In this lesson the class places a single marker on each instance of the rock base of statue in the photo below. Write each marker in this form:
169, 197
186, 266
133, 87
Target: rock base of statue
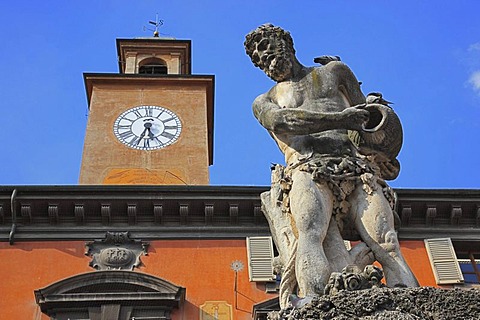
423, 303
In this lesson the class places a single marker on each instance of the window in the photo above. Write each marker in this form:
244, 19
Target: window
112, 295
470, 266
453, 265
153, 66
153, 69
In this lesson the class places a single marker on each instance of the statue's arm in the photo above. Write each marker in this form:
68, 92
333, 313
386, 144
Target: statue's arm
348, 83
300, 121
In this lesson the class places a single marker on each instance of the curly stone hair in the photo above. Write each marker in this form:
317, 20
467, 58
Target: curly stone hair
264, 31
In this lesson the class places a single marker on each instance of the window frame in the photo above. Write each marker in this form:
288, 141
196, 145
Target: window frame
112, 294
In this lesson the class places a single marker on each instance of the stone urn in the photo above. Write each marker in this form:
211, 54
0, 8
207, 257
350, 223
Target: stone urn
382, 138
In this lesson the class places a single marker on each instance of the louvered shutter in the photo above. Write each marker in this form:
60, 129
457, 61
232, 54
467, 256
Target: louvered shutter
260, 257
444, 261
347, 244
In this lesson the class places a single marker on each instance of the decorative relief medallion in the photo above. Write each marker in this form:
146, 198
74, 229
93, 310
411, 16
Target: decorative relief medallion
116, 257
116, 252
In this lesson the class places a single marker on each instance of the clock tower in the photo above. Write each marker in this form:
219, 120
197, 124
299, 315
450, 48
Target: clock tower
151, 123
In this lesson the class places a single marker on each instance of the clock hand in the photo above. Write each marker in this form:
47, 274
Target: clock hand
141, 136
150, 133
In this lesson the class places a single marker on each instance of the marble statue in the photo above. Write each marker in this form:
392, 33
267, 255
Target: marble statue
339, 149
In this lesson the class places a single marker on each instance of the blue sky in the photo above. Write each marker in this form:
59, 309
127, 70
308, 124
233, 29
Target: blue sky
423, 55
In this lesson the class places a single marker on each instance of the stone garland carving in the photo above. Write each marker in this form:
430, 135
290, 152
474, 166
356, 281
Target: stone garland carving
339, 148
116, 252
351, 278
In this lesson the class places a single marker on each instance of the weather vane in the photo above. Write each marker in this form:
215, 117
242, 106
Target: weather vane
157, 23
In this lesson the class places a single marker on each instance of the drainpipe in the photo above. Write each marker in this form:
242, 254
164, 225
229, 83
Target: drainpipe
14, 217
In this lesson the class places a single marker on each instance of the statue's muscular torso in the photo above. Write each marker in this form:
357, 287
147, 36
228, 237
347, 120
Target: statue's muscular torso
328, 89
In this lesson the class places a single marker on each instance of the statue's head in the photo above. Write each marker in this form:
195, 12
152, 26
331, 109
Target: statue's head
271, 49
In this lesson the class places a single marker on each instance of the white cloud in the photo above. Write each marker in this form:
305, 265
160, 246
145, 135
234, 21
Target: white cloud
475, 81
474, 47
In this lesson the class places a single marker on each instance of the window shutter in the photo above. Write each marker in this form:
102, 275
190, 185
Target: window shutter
260, 257
347, 244
444, 261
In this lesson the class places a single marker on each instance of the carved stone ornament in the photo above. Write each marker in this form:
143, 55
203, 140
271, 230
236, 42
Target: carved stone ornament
116, 252
352, 278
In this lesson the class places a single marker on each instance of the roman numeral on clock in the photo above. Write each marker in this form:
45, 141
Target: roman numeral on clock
148, 112
167, 135
126, 135
159, 143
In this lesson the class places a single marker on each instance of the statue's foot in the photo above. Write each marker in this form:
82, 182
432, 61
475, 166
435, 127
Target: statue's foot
299, 302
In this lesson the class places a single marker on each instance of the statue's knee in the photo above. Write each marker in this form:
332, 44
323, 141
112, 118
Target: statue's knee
310, 221
309, 226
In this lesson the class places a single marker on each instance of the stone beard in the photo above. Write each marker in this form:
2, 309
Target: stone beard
279, 67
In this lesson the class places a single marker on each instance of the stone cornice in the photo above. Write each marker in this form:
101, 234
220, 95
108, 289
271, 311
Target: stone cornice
207, 212
134, 79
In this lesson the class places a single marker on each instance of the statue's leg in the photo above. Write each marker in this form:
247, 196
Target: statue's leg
335, 250
311, 206
374, 222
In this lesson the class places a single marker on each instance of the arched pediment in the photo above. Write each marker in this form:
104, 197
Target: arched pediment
123, 288
152, 61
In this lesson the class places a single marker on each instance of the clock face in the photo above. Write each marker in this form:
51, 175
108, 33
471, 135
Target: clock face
147, 127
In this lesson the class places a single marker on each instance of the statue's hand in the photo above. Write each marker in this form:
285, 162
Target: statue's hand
389, 170
355, 117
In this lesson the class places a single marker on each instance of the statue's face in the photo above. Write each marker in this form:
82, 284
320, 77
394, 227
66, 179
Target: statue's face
274, 57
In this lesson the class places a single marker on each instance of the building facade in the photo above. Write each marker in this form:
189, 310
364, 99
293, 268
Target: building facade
192, 240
